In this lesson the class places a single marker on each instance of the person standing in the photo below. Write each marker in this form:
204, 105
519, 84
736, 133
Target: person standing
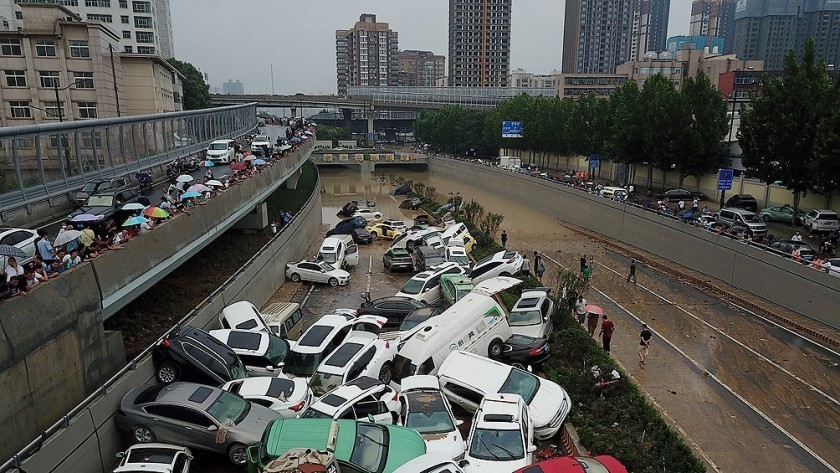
580, 309
644, 344
526, 266
607, 329
591, 265
44, 247
632, 274
582, 263
504, 239
539, 267
591, 323
695, 205
13, 269
796, 237
587, 272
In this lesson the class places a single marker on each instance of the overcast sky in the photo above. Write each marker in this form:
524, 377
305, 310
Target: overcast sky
240, 39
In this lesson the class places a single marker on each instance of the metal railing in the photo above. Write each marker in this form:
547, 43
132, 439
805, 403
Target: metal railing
42, 162
471, 97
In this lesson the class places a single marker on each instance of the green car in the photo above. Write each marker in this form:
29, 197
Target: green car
454, 287
359, 447
781, 214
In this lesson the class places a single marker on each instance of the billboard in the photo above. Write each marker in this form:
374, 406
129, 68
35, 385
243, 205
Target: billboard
511, 129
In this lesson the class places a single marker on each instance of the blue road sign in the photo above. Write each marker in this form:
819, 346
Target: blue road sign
511, 129
724, 179
594, 160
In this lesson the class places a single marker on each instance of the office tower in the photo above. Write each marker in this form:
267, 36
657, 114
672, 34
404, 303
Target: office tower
232, 87
479, 42
650, 27
366, 55
420, 68
144, 26
821, 21
596, 35
714, 18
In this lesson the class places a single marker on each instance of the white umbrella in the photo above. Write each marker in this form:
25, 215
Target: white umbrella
198, 188
185, 178
133, 206
213, 182
66, 237
308, 132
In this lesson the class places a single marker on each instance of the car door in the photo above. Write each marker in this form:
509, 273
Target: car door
165, 422
372, 410
364, 365
546, 308
312, 272
351, 256
196, 426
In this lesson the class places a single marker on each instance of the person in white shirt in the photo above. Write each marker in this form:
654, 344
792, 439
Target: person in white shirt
796, 237
13, 269
580, 309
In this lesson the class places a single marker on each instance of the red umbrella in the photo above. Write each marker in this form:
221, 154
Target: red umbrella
594, 309
238, 167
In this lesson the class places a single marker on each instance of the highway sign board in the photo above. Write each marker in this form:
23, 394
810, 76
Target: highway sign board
511, 129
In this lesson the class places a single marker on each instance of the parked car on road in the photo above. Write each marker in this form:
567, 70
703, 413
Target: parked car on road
783, 214
821, 220
279, 393
679, 194
317, 271
424, 408
393, 307
221, 151
363, 399
155, 458
398, 224
380, 230
97, 186
743, 218
503, 263
259, 142
743, 201
191, 354
340, 251
397, 258
361, 235
108, 204
191, 415
502, 435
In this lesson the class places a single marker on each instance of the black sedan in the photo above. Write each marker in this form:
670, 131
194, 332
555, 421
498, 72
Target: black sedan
786, 247
679, 194
395, 308
743, 201
361, 235
521, 351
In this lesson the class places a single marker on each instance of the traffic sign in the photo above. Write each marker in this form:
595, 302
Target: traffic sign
724, 179
511, 129
594, 160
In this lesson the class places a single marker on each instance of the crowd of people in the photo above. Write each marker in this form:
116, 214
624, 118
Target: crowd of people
93, 239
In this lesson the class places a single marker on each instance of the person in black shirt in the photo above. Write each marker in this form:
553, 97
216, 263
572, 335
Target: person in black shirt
644, 344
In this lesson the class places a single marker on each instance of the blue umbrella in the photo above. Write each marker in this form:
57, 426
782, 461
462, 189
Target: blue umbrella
296, 140
190, 195
259, 162
135, 221
84, 218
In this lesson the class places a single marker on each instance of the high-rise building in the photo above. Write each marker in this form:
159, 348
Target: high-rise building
596, 35
677, 43
479, 42
144, 26
232, 87
366, 55
768, 29
420, 68
650, 27
714, 18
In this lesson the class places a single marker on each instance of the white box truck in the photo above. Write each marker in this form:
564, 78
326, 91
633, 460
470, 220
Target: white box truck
511, 163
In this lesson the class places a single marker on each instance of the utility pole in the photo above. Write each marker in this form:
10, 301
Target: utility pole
272, 79
114, 77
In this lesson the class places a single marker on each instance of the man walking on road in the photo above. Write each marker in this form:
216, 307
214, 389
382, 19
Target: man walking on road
644, 344
607, 329
632, 274
582, 263
580, 309
504, 239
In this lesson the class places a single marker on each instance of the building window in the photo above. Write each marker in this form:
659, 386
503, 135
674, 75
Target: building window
79, 48
98, 3
123, 3
145, 37
128, 49
143, 22
16, 78
141, 7
10, 47
102, 18
83, 80
18, 16
20, 109
49, 79
87, 109
145, 50
126, 34
53, 109
124, 19
45, 47
91, 139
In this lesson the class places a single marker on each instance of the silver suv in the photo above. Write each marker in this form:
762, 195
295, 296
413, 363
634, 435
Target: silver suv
821, 220
744, 218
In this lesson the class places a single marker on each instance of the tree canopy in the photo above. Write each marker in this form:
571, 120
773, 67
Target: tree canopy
196, 91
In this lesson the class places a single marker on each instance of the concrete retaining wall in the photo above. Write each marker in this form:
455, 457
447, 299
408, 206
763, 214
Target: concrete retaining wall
91, 440
789, 284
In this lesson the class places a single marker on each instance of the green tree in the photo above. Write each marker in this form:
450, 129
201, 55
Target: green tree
625, 143
664, 124
707, 126
779, 134
827, 147
196, 91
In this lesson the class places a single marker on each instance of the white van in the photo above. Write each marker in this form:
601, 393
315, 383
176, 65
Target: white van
283, 319
340, 251
221, 151
477, 323
617, 193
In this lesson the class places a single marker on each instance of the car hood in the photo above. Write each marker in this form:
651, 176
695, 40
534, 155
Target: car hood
216, 152
528, 330
339, 273
549, 400
450, 444
251, 428
92, 211
490, 466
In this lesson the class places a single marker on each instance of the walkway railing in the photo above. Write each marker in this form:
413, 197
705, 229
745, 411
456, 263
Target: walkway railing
471, 97
41, 162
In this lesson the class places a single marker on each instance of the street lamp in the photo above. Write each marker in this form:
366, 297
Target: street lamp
57, 101
728, 155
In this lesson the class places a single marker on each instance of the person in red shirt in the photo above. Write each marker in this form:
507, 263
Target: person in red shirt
607, 329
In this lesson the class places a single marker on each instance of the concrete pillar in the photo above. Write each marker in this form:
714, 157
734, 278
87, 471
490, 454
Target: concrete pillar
348, 119
293, 111
256, 219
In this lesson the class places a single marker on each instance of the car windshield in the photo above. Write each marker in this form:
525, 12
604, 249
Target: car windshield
523, 383
218, 146
89, 187
525, 317
753, 218
322, 383
100, 201
427, 413
413, 286
229, 407
261, 138
312, 413
403, 367
301, 364
151, 455
591, 465
460, 259
328, 257
497, 445
369, 448
412, 321
277, 350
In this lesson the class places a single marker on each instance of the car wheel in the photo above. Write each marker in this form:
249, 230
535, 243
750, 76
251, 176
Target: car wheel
373, 235
517, 364
167, 373
333, 282
142, 434
238, 454
295, 277
505, 274
385, 373
495, 349
766, 218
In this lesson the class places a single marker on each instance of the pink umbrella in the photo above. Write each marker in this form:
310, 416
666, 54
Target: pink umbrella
198, 188
238, 167
594, 309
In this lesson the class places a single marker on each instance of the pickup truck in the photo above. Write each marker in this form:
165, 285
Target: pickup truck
397, 258
106, 205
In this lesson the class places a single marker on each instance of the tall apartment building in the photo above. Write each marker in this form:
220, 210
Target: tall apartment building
479, 42
650, 27
768, 29
714, 18
596, 35
144, 26
58, 67
421, 68
232, 87
366, 55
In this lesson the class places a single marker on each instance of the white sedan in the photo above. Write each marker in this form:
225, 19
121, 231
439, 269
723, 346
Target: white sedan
154, 457
317, 271
21, 238
287, 396
424, 408
368, 214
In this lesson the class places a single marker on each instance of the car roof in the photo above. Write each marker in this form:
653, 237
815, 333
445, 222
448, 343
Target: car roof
420, 381
343, 356
243, 341
500, 411
187, 394
334, 322
266, 386
463, 363
347, 393
151, 457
